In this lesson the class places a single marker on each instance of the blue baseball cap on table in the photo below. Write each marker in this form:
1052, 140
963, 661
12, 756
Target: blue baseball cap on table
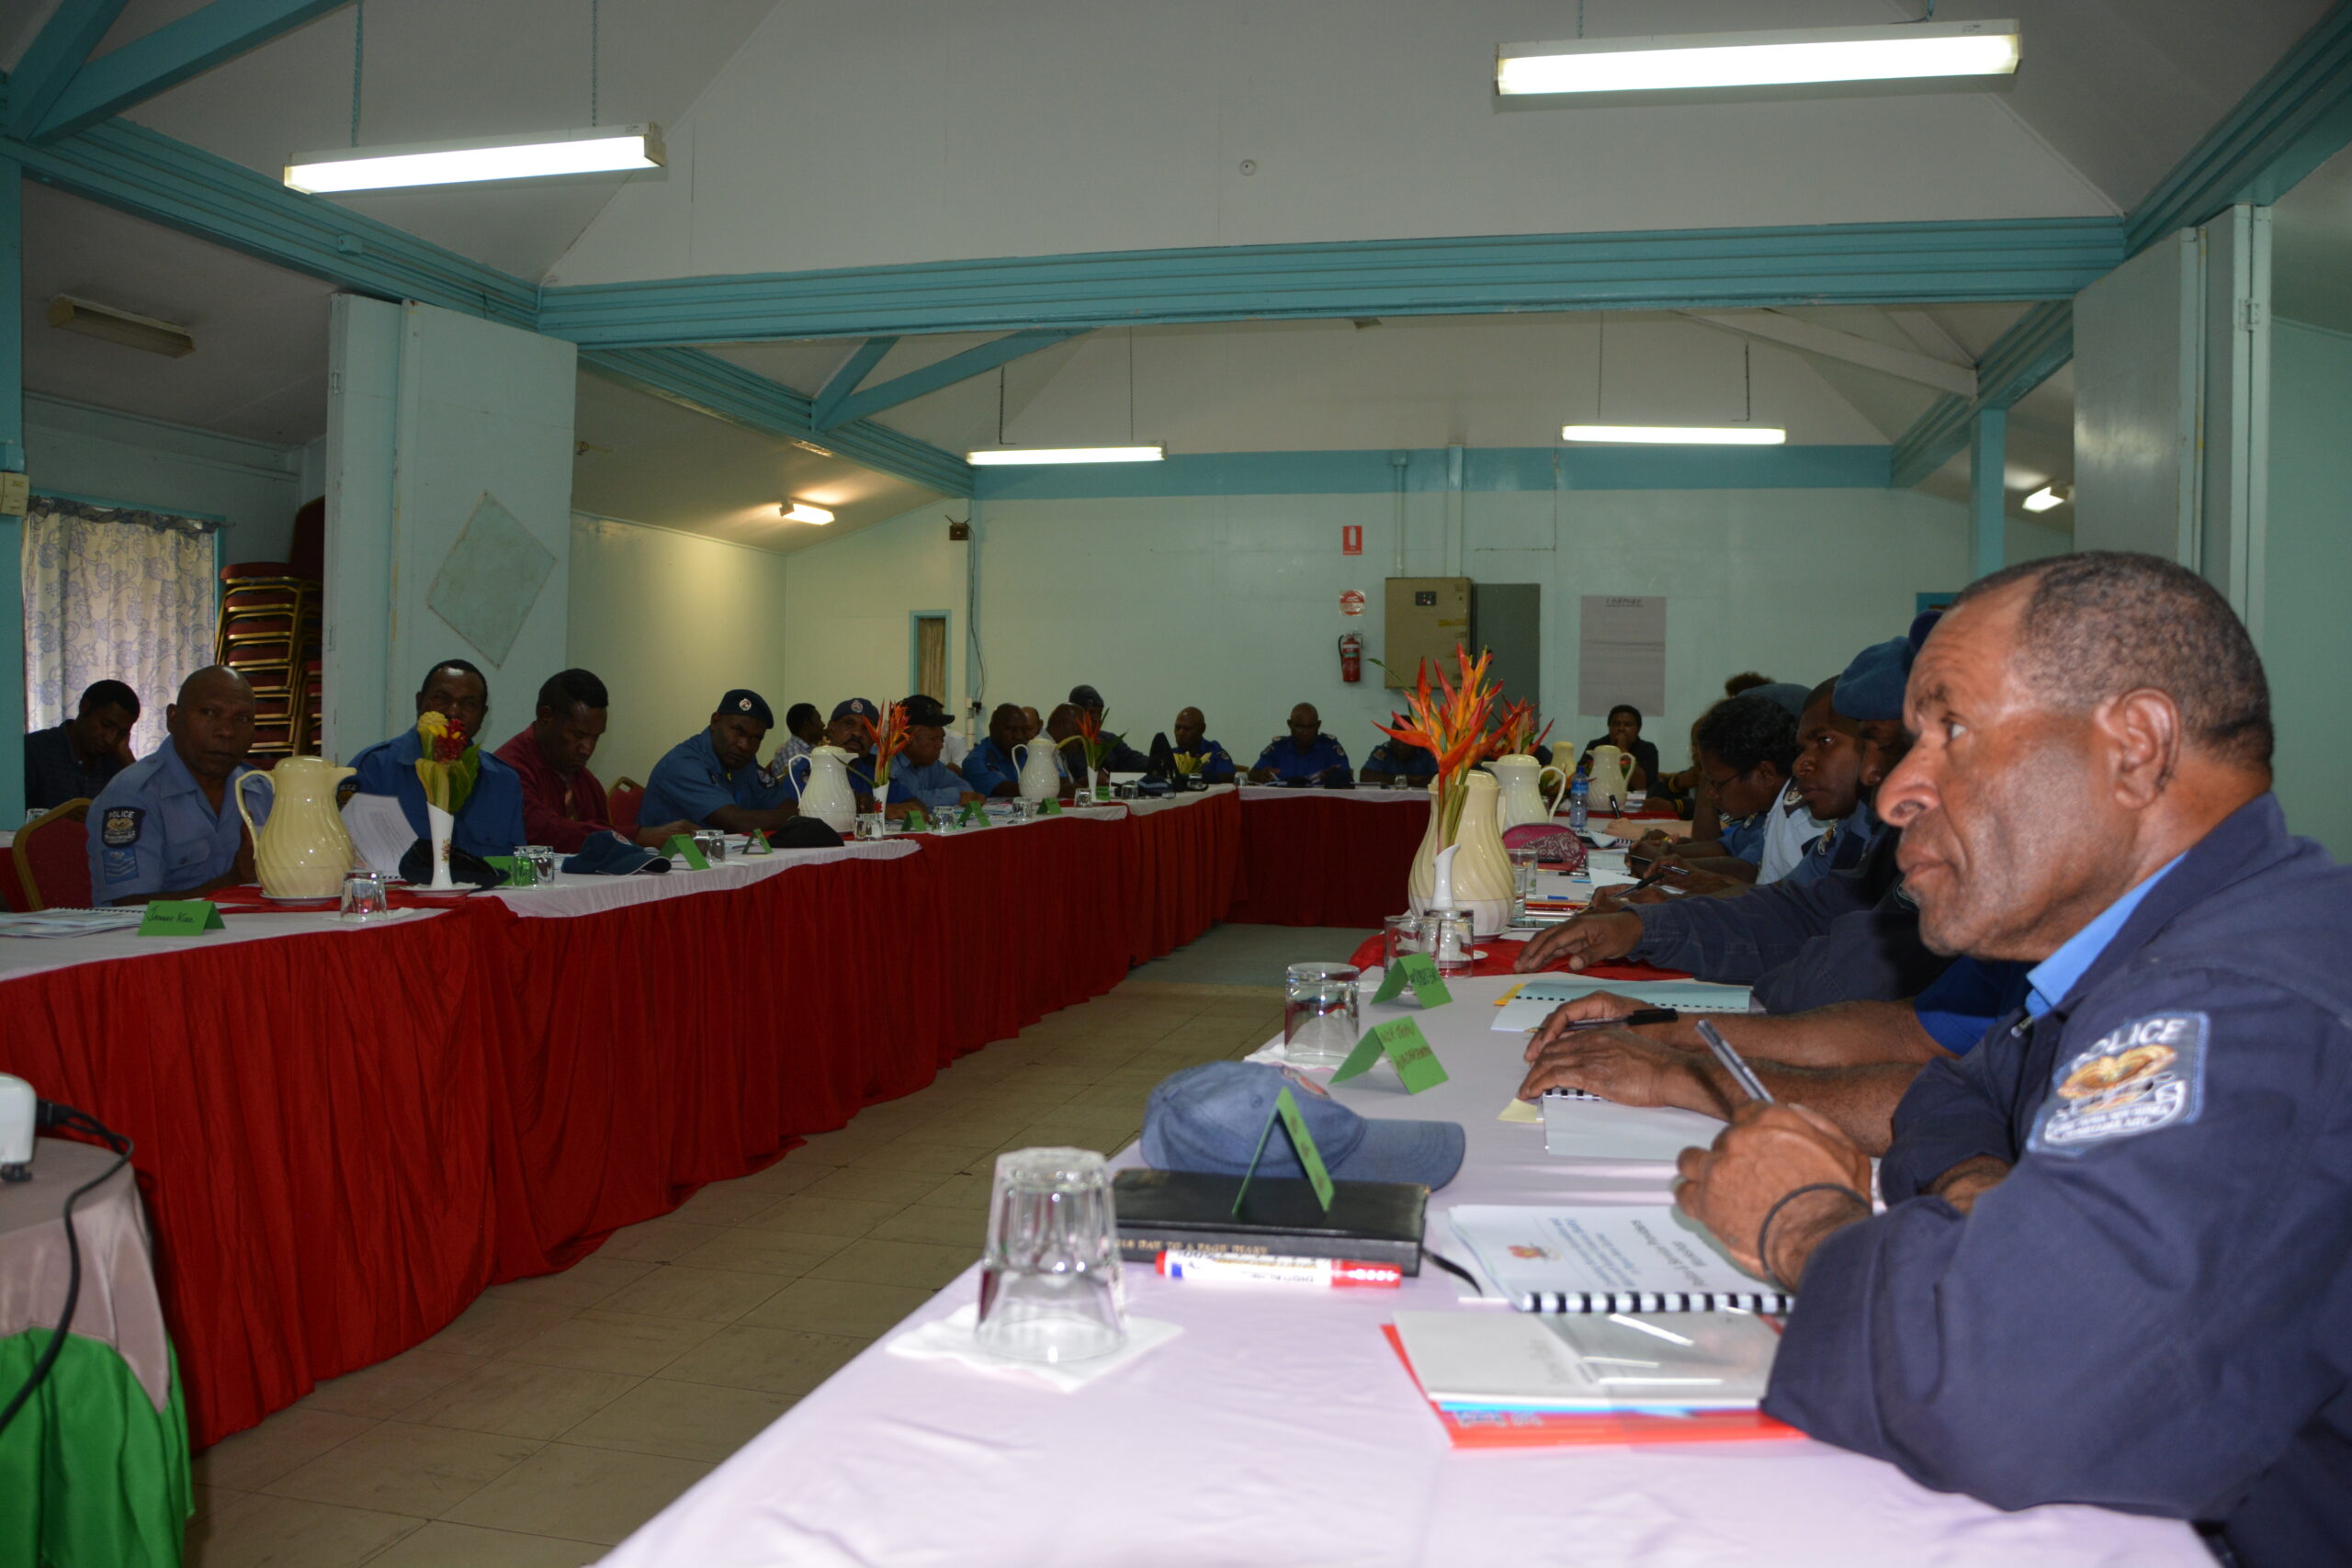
1208, 1118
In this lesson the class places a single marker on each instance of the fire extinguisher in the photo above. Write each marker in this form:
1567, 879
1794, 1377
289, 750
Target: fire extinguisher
1351, 658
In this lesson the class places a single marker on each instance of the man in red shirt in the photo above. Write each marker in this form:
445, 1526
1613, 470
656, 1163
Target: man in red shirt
564, 803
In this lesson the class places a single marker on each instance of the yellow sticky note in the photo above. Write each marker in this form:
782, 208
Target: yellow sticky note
1521, 1110
1504, 1000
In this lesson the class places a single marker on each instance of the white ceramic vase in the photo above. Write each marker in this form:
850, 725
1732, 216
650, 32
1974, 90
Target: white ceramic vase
440, 823
1481, 870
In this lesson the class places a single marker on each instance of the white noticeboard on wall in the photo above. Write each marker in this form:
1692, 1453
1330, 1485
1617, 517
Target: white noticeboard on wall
1621, 653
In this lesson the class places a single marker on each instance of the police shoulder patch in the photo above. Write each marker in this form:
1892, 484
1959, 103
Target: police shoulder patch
122, 826
2138, 1077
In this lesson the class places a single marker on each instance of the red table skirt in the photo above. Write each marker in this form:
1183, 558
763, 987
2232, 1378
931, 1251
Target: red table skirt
1327, 859
344, 1137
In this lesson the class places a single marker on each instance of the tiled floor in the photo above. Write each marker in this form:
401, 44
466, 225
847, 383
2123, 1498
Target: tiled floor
559, 1414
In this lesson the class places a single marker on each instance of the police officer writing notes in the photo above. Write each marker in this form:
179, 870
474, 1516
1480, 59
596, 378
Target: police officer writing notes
167, 827
2116, 1267
1308, 756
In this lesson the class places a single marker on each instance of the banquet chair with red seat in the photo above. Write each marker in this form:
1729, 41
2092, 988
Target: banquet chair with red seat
623, 800
52, 859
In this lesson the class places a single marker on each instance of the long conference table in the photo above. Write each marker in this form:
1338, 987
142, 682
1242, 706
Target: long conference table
345, 1133
1277, 1427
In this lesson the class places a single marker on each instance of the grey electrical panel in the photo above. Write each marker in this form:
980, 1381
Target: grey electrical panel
1428, 619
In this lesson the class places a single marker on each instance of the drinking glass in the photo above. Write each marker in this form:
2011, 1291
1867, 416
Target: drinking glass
543, 861
1051, 1285
365, 896
1448, 932
1319, 1014
1022, 811
712, 843
870, 825
1523, 881
1401, 934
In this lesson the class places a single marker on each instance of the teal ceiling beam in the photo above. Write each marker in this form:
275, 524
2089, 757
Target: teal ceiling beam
2022, 358
843, 381
1875, 264
162, 59
151, 176
2296, 118
72, 30
955, 367
709, 385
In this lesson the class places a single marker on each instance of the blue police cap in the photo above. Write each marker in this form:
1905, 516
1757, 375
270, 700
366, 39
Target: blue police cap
1872, 687
853, 707
748, 703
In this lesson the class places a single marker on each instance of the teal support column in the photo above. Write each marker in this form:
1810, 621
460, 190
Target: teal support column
1988, 510
12, 527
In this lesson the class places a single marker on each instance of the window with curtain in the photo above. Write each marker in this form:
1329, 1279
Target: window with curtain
112, 593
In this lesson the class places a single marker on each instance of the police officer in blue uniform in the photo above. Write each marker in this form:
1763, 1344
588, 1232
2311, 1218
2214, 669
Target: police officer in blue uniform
714, 778
1191, 741
1306, 756
2116, 1266
1845, 936
1118, 756
1395, 761
918, 775
167, 827
491, 820
989, 767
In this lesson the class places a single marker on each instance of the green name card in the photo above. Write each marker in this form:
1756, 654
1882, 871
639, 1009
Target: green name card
972, 813
680, 847
759, 845
918, 821
1049, 808
1403, 1042
180, 916
1418, 970
1286, 1111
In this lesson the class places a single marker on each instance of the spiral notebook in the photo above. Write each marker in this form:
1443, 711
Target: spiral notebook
1608, 1258
1529, 1003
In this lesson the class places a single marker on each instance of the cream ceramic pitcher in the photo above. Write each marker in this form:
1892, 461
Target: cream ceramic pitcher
1522, 777
303, 850
824, 789
1610, 768
1040, 779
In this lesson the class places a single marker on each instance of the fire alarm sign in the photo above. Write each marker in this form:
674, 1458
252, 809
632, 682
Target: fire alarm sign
1351, 603
1352, 538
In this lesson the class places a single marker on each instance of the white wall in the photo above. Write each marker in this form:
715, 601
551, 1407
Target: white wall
75, 449
669, 622
2136, 383
1232, 602
2305, 641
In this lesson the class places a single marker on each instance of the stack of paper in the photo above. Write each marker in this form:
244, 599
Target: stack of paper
1525, 1006
70, 922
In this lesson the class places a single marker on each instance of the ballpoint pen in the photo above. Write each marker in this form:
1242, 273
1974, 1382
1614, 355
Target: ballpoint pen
1741, 1072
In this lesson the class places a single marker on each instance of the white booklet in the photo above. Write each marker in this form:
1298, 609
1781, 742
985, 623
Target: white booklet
1587, 1127
1605, 1259
1534, 1002
1621, 1361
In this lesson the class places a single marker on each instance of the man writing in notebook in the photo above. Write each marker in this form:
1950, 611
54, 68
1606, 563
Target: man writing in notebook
2117, 1258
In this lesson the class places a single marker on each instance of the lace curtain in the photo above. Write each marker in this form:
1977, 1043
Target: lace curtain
114, 593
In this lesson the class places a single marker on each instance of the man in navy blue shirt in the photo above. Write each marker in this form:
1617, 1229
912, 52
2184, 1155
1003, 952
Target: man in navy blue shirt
1191, 741
714, 778
1306, 756
74, 760
918, 775
990, 767
2116, 1263
1394, 762
167, 826
491, 820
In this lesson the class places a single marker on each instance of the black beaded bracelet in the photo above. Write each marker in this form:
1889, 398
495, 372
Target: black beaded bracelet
1764, 1231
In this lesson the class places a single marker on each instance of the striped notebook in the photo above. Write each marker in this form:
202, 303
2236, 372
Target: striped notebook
1608, 1258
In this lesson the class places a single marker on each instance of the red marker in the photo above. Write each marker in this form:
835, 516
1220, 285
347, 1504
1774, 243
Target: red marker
1229, 1269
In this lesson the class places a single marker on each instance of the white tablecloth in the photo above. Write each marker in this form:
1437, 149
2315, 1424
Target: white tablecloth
593, 895
1280, 1429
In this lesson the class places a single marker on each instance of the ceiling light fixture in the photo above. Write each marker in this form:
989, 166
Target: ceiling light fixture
1019, 456
1603, 69
119, 326
1679, 434
604, 149
801, 512
2049, 497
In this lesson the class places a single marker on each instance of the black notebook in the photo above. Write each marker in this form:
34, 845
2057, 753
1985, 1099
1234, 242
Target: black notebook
1373, 1222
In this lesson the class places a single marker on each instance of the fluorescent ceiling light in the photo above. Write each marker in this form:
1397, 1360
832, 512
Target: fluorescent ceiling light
1011, 456
2048, 497
1791, 57
611, 148
119, 326
801, 512
1679, 434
